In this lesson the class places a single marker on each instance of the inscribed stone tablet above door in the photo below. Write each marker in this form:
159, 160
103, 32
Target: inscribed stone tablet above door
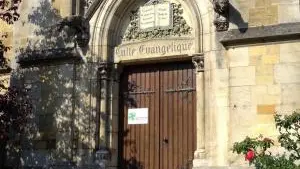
156, 16
157, 19
158, 29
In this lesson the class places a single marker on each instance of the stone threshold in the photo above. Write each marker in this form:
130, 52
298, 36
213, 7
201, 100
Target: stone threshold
262, 34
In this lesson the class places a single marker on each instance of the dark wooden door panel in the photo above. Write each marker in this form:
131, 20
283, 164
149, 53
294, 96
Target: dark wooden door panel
177, 83
140, 89
168, 140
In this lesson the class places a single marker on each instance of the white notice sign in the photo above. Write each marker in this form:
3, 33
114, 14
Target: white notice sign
138, 116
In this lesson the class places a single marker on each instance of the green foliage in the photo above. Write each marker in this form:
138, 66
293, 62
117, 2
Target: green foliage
9, 14
289, 139
274, 162
252, 143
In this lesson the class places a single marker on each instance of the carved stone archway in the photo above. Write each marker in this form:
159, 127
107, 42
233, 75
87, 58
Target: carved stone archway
107, 28
108, 21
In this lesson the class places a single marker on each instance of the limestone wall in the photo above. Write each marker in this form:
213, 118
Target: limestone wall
263, 12
62, 126
264, 79
244, 85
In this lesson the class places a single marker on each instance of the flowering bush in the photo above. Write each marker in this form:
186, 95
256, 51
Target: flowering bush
256, 150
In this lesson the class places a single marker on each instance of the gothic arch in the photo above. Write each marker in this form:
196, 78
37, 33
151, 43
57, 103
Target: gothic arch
110, 18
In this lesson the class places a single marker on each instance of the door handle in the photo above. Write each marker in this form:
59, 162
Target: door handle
165, 141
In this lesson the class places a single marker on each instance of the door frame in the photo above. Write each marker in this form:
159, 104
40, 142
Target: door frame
121, 103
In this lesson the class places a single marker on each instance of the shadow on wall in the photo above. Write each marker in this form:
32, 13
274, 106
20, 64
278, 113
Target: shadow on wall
62, 126
236, 18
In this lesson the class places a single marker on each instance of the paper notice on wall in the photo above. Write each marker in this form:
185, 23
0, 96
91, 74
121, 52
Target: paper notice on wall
138, 116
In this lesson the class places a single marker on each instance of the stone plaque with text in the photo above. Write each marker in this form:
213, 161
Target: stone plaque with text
156, 16
155, 48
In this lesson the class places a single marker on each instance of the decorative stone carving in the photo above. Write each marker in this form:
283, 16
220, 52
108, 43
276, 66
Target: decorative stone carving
104, 70
153, 2
87, 4
180, 26
221, 8
198, 62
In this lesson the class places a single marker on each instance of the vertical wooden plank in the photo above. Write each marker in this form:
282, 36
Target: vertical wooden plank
157, 120
151, 121
190, 110
185, 113
176, 119
142, 126
167, 85
168, 111
161, 121
180, 115
146, 126
127, 127
138, 127
123, 120
134, 143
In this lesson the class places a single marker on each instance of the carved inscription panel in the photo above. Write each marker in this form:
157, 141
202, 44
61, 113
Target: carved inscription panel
147, 17
155, 48
154, 16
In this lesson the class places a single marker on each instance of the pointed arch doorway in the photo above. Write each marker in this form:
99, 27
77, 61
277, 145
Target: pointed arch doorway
168, 139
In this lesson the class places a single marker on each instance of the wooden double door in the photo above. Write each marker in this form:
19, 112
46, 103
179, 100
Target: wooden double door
168, 140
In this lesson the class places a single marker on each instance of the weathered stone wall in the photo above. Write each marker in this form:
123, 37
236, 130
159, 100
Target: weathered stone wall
263, 78
244, 85
62, 127
251, 13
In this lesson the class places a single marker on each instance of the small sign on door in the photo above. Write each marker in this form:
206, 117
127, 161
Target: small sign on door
138, 116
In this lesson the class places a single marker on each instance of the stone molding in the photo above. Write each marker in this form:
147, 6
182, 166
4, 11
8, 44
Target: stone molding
198, 62
262, 34
221, 8
50, 56
91, 7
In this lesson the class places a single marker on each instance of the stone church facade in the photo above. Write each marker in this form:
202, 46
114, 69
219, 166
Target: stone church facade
207, 72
